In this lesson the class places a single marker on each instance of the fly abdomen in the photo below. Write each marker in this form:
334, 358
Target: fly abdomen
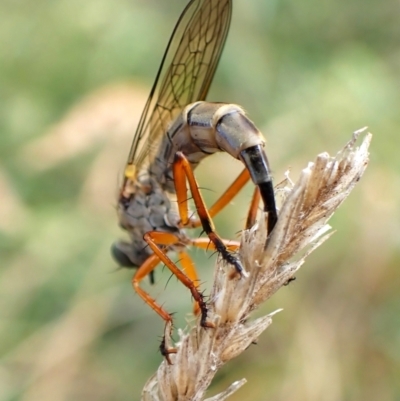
237, 135
204, 128
227, 127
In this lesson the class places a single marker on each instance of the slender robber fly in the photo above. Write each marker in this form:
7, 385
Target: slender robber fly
176, 131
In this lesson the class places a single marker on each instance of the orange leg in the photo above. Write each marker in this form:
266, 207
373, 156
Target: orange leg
252, 213
182, 171
154, 239
190, 270
226, 197
204, 243
145, 269
189, 277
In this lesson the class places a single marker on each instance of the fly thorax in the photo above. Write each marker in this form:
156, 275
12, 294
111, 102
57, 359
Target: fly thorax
149, 209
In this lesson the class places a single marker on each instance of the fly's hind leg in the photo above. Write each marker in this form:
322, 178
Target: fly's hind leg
182, 171
253, 209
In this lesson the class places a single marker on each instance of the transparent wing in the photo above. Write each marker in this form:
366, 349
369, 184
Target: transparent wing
188, 67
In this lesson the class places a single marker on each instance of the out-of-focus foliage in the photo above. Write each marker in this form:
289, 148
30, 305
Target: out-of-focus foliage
74, 77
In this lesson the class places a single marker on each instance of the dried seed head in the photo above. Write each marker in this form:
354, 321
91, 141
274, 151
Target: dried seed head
270, 263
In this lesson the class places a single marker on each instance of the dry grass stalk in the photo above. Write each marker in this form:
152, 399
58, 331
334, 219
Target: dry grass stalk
301, 228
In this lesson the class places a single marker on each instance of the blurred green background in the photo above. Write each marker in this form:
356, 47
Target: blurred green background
74, 76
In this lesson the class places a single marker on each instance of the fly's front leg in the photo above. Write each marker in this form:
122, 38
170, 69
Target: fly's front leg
154, 239
182, 171
144, 270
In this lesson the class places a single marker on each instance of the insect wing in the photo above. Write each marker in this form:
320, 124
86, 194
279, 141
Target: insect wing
194, 49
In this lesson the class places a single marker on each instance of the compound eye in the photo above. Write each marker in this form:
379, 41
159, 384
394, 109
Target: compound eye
120, 255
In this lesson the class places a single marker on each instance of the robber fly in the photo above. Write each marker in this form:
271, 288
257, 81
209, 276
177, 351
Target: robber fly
176, 131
